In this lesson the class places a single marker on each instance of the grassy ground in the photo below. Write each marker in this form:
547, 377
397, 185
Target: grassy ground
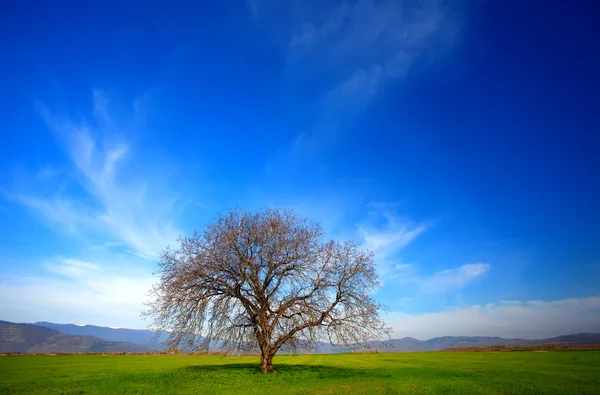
415, 373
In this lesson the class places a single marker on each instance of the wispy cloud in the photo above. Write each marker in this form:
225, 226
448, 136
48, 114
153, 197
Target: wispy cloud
386, 235
454, 279
391, 239
357, 49
105, 200
365, 44
72, 268
532, 319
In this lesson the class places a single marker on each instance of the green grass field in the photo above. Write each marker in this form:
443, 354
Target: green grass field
415, 373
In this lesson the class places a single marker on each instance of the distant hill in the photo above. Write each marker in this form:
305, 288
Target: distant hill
579, 339
29, 338
147, 338
445, 342
136, 336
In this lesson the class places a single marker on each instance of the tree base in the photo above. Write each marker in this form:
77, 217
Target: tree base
266, 365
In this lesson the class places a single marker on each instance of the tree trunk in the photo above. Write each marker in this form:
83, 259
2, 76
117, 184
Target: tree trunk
266, 363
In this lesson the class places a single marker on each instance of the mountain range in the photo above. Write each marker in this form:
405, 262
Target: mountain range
137, 336
29, 338
52, 337
446, 342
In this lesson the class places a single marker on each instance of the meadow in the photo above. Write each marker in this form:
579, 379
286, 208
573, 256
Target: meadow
415, 373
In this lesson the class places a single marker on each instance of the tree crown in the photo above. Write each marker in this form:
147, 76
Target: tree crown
257, 281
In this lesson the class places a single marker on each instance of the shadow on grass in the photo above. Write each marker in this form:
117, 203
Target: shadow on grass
324, 372
297, 370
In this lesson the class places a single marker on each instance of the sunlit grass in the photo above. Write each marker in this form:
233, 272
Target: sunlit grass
419, 373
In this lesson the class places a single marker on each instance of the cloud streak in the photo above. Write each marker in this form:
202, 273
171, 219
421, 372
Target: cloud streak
73, 268
454, 279
357, 49
390, 240
386, 236
341, 57
366, 43
106, 201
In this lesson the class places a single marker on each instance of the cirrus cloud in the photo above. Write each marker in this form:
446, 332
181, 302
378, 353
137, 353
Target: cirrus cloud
104, 202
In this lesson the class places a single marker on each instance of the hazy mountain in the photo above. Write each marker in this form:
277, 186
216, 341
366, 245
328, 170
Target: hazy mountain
136, 336
579, 339
405, 344
29, 338
440, 343
146, 338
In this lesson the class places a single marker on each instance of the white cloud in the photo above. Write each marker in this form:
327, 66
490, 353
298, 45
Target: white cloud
532, 319
108, 202
83, 292
454, 279
388, 237
402, 266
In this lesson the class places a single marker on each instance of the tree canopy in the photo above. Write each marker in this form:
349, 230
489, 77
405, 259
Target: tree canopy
259, 281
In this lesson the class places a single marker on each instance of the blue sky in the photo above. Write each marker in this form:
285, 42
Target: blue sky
457, 140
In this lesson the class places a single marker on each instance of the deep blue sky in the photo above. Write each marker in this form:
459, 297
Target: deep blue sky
458, 140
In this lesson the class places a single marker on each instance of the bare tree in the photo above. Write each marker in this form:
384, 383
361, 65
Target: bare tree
254, 282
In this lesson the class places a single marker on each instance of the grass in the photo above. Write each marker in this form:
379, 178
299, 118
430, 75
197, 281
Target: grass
415, 373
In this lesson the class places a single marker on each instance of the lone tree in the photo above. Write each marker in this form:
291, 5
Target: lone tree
254, 282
